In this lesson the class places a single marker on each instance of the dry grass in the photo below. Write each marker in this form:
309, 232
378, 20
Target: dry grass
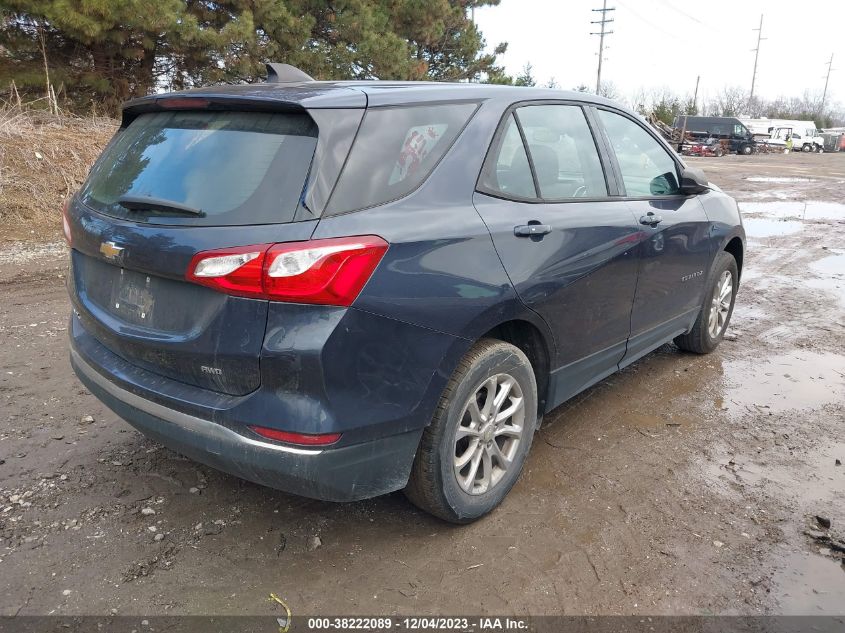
43, 159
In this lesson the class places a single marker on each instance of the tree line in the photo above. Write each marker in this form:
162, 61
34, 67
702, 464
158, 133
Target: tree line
98, 53
95, 54
666, 105
734, 101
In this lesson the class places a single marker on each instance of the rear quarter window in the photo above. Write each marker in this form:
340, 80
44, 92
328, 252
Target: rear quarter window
234, 167
395, 151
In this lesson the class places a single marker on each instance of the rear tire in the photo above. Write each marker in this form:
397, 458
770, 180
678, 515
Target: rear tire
471, 454
715, 315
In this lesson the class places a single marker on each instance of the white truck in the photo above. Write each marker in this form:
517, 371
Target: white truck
805, 136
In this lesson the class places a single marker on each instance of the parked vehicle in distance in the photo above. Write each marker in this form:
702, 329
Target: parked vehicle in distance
343, 289
834, 141
738, 137
805, 136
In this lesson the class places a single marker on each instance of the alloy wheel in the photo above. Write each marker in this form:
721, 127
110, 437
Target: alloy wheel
721, 304
488, 434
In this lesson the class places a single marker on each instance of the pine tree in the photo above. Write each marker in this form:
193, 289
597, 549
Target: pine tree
102, 52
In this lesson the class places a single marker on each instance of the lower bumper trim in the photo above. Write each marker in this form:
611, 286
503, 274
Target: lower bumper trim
347, 473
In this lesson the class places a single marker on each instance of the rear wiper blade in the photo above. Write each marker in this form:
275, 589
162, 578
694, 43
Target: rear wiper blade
148, 203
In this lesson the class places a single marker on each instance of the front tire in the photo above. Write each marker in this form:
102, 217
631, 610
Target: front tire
472, 453
709, 328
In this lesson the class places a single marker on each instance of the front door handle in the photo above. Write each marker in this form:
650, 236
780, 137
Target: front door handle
529, 230
650, 219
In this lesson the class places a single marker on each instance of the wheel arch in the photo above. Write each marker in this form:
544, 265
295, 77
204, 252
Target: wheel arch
736, 248
514, 324
528, 338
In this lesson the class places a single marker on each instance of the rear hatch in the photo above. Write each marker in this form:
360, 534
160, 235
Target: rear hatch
171, 184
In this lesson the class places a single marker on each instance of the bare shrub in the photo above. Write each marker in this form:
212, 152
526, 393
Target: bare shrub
44, 158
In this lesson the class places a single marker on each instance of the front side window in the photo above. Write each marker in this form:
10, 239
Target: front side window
560, 149
563, 153
395, 151
647, 168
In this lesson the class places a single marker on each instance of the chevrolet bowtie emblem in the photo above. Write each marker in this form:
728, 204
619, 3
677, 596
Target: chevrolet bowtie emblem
110, 250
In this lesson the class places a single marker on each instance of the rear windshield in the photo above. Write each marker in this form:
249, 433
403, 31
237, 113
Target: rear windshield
395, 150
233, 167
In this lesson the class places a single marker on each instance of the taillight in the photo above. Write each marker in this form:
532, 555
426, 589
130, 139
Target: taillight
66, 222
236, 271
303, 439
329, 272
326, 272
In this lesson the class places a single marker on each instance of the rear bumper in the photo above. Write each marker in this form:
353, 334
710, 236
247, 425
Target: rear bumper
348, 473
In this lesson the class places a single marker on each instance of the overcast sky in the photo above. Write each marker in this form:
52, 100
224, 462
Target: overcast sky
669, 42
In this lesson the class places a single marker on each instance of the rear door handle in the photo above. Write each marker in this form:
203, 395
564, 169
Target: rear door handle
651, 220
527, 230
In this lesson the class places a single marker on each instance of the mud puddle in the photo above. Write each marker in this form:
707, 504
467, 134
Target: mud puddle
797, 380
803, 574
809, 584
809, 210
778, 179
765, 227
831, 265
830, 275
822, 480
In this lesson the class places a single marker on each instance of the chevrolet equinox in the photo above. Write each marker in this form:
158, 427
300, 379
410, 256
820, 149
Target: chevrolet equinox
346, 288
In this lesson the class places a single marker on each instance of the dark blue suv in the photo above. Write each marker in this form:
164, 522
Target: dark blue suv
342, 289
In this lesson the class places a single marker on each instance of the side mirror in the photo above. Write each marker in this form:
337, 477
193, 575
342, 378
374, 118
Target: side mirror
693, 181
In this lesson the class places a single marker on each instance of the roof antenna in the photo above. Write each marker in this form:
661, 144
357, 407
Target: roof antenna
285, 73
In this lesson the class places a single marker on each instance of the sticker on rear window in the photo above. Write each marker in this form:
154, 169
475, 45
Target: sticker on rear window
419, 141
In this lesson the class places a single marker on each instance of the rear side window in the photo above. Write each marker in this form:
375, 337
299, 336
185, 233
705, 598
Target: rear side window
233, 167
395, 151
647, 168
511, 173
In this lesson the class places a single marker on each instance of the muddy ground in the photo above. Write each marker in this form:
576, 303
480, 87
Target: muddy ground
682, 485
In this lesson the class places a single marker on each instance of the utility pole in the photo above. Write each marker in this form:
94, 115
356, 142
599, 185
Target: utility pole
695, 96
603, 22
826, 80
760, 38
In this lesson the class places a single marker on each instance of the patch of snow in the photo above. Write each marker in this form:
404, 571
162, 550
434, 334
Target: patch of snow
780, 194
24, 252
778, 179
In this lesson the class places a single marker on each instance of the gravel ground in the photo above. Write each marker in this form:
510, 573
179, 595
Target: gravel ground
681, 485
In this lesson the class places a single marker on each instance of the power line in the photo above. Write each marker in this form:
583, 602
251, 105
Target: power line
685, 14
760, 38
653, 25
604, 21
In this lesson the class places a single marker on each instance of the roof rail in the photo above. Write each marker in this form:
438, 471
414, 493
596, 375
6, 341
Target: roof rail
285, 73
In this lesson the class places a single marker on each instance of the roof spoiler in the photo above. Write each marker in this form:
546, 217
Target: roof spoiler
285, 73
